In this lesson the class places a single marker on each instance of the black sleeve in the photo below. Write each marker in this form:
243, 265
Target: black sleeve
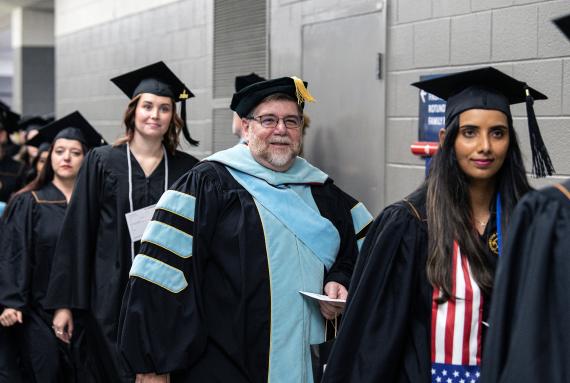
529, 324
371, 341
70, 278
161, 326
16, 250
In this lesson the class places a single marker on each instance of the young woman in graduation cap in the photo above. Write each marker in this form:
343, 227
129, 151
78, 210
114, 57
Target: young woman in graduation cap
32, 224
96, 248
419, 299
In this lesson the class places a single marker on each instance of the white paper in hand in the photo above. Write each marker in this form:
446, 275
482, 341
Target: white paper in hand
321, 297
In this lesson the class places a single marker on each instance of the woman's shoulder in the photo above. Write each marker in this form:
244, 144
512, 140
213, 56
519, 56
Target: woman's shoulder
183, 157
27, 196
412, 206
103, 153
20, 202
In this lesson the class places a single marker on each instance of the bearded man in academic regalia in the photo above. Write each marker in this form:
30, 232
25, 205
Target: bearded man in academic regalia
213, 294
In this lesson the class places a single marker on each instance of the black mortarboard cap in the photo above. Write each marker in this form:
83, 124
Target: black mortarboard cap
563, 23
489, 88
31, 123
72, 127
247, 80
244, 101
159, 80
8, 118
43, 147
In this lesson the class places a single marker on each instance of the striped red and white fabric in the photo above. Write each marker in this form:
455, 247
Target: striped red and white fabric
456, 327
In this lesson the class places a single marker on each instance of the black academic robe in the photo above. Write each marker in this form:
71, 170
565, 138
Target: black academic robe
9, 371
11, 177
218, 328
93, 254
30, 234
32, 227
529, 334
385, 334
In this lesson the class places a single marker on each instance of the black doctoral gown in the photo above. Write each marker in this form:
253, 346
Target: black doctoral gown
529, 334
93, 254
386, 330
31, 230
11, 177
218, 328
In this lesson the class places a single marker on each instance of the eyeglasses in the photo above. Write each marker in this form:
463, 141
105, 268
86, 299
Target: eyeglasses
270, 121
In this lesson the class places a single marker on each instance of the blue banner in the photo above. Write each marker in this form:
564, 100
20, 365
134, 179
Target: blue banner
431, 115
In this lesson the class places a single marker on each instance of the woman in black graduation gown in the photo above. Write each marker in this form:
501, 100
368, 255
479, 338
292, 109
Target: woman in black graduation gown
420, 294
94, 254
32, 225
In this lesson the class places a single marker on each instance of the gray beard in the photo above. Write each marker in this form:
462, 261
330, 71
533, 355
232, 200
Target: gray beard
261, 149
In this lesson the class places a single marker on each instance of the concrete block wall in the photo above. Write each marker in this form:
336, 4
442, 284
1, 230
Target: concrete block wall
32, 35
89, 54
443, 36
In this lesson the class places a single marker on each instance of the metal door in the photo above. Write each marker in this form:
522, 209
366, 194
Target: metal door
342, 59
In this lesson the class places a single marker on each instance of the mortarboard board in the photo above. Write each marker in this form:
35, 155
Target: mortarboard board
49, 117
159, 80
72, 127
31, 123
244, 101
43, 147
563, 23
8, 118
489, 88
247, 80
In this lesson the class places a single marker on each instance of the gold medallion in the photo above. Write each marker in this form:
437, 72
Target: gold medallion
494, 243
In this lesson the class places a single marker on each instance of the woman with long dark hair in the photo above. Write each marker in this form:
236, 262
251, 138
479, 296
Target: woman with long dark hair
32, 224
418, 303
115, 191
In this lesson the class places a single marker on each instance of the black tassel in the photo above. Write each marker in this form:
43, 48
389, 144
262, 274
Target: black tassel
541, 163
185, 130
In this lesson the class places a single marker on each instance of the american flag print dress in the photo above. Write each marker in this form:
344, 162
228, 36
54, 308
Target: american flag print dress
456, 327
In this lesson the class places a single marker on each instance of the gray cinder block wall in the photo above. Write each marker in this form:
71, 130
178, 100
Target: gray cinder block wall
98, 40
89, 54
442, 36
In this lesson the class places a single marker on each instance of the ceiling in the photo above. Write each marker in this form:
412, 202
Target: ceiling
6, 6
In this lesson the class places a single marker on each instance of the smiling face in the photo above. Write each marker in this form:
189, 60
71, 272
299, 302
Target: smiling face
66, 158
153, 115
482, 143
275, 148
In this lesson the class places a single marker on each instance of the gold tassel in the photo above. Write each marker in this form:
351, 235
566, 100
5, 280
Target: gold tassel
303, 94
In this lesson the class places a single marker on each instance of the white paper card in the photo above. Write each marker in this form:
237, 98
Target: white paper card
137, 221
321, 297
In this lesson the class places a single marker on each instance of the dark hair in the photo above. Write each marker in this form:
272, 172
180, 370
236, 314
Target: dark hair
449, 210
46, 175
171, 139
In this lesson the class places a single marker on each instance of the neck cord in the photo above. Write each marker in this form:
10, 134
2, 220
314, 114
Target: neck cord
131, 205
